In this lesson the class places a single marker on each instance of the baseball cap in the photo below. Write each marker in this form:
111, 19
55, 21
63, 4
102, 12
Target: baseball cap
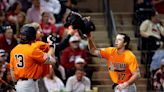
79, 60
2, 52
74, 38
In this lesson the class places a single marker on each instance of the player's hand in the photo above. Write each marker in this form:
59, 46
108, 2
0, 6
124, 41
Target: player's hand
122, 86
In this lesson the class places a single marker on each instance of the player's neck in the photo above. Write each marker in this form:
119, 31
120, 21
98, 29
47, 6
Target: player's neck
121, 50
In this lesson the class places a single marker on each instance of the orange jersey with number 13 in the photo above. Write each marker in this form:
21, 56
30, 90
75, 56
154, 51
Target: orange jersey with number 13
26, 60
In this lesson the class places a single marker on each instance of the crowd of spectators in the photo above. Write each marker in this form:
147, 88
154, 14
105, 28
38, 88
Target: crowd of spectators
48, 18
150, 31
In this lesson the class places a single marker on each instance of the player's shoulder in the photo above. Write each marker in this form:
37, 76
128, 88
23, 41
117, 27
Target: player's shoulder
16, 48
41, 45
109, 49
130, 54
38, 43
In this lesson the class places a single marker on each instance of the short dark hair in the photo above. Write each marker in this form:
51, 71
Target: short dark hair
126, 40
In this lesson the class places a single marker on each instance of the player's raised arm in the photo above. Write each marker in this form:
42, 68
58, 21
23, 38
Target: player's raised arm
51, 53
91, 45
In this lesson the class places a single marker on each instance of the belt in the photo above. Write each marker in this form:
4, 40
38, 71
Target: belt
27, 79
114, 85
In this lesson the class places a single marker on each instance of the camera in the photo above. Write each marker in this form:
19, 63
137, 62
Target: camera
83, 24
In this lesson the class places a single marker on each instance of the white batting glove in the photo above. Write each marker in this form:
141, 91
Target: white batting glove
50, 41
122, 86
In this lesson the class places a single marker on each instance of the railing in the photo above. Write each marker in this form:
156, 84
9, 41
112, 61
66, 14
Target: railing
111, 27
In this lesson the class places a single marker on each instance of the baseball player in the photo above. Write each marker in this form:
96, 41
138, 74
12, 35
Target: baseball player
41, 45
122, 63
26, 61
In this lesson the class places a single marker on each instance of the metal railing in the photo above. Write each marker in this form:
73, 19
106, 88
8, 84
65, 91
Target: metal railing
111, 27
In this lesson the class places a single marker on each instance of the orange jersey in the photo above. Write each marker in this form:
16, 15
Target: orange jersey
26, 60
121, 66
45, 48
41, 45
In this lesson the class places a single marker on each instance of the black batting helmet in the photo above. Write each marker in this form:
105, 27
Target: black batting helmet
27, 34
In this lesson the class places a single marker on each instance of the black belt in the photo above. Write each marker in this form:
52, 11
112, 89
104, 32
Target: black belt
114, 85
27, 79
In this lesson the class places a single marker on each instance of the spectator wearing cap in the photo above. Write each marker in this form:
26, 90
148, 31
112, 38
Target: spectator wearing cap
69, 55
7, 40
78, 82
80, 64
159, 78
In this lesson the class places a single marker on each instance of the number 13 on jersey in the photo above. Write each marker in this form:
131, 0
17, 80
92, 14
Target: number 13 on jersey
20, 60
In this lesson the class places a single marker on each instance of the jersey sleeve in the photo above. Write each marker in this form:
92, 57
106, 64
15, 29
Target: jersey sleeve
133, 66
41, 45
39, 56
44, 47
105, 52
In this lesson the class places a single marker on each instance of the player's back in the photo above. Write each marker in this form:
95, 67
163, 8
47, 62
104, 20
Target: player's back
26, 61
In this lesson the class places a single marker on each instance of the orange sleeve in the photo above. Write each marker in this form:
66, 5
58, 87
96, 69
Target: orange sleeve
38, 55
41, 45
105, 52
44, 47
133, 65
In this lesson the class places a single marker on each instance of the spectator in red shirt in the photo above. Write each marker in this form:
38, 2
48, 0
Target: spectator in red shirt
69, 55
47, 26
8, 42
159, 6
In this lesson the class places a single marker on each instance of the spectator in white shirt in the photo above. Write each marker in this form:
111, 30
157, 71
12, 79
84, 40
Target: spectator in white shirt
52, 82
78, 82
34, 13
52, 6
